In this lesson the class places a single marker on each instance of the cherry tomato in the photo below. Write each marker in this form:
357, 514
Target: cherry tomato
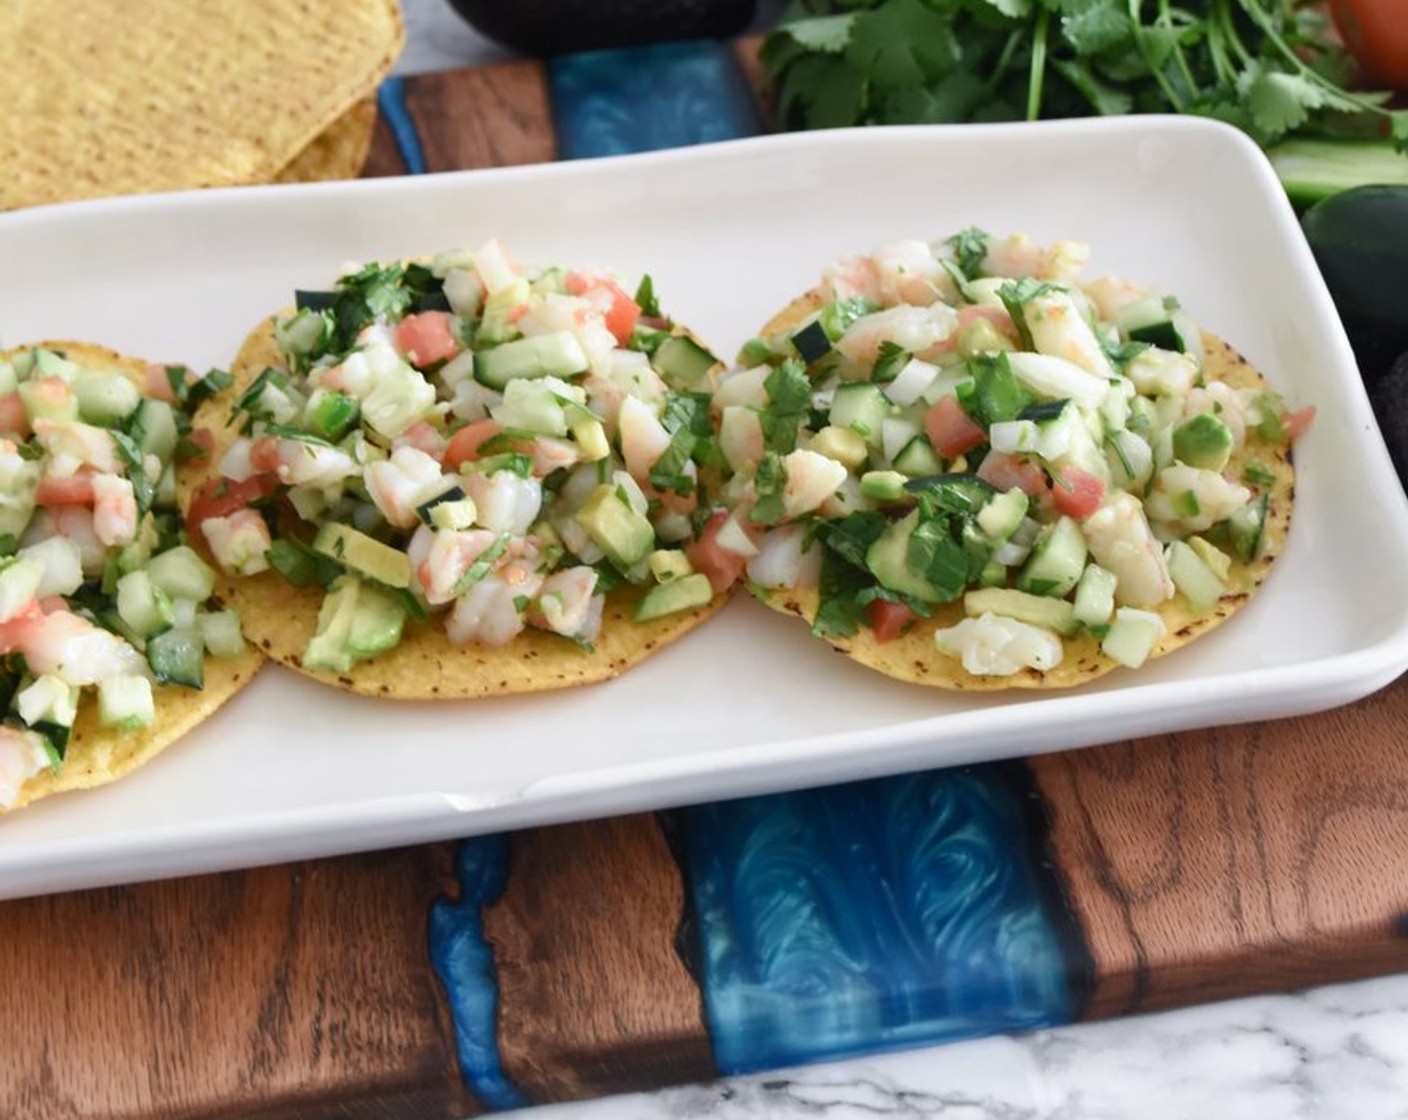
1376, 33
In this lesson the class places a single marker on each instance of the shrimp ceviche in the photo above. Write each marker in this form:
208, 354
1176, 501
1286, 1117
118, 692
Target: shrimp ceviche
99, 592
469, 445
970, 467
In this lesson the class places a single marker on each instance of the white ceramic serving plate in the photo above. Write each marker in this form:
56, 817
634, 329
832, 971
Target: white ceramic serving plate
751, 702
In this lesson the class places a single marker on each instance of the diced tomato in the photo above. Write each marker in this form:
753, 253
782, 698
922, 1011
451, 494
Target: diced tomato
464, 445
426, 338
888, 620
1298, 421
264, 454
158, 384
220, 497
721, 566
1077, 493
619, 310
575, 283
75, 490
14, 421
1006, 472
951, 430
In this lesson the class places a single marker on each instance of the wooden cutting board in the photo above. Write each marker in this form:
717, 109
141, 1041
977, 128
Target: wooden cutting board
646, 950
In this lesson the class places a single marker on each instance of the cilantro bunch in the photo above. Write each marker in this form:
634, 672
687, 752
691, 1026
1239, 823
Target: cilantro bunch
1269, 67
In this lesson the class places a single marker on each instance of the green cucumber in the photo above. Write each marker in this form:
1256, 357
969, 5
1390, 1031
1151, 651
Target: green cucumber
558, 354
684, 364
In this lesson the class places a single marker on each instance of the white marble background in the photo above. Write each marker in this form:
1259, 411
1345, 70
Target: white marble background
1334, 1053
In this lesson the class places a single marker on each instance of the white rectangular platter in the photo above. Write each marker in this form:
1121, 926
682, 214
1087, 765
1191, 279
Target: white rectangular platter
750, 703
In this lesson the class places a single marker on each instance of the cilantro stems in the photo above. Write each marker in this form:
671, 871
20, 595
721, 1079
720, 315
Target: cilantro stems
1038, 70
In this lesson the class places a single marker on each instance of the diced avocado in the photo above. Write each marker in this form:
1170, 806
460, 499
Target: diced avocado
1056, 562
558, 354
590, 435
669, 564
104, 398
1039, 610
888, 560
681, 594
1002, 514
626, 536
1194, 579
918, 459
356, 621
862, 408
1132, 636
363, 554
981, 337
1203, 441
1245, 526
178, 657
377, 622
1095, 596
883, 486
684, 364
1213, 557
125, 702
842, 445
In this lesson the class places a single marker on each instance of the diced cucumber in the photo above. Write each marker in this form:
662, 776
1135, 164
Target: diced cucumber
918, 459
182, 574
912, 382
143, 607
531, 404
558, 354
156, 422
883, 486
1245, 527
331, 415
681, 594
105, 398
1194, 579
811, 341
862, 408
1002, 514
50, 363
1056, 562
125, 702
616, 527
684, 364
1151, 320
221, 633
364, 554
48, 699
1095, 596
20, 579
888, 560
1039, 610
1132, 636
178, 657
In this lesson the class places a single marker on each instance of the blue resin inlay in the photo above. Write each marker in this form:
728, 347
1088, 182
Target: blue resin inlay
886, 913
465, 964
391, 100
669, 95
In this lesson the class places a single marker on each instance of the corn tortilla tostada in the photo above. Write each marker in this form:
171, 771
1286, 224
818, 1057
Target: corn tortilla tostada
463, 478
966, 467
106, 616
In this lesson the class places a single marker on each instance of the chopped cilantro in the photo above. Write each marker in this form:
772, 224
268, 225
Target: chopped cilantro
645, 297
769, 481
889, 360
970, 247
789, 397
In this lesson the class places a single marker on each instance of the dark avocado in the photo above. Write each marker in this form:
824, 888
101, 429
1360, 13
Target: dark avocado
547, 27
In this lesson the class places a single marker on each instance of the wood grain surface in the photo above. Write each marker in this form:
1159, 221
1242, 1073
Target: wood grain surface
593, 997
1237, 860
301, 990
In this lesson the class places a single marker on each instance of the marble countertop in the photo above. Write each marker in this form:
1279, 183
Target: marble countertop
1339, 1051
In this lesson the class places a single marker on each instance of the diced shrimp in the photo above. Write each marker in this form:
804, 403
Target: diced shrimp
70, 647
1120, 540
744, 388
1110, 295
423, 436
1223, 402
1059, 329
62, 562
114, 510
1018, 255
785, 560
643, 438
488, 613
908, 272
447, 558
552, 454
811, 479
851, 278
1189, 500
505, 502
564, 602
22, 756
398, 484
238, 542
312, 464
72, 445
991, 645
75, 524
916, 329
627, 374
